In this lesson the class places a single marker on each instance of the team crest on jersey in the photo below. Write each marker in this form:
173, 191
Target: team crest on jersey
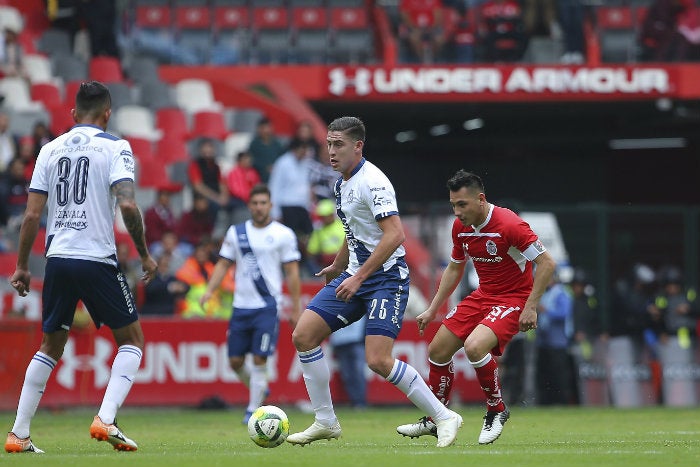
77, 139
491, 248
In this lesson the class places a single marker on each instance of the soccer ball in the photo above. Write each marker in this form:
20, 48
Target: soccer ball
268, 427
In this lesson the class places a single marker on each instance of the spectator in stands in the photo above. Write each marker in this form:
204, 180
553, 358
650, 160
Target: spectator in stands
11, 53
196, 224
25, 151
659, 37
63, 14
571, 16
554, 333
239, 181
688, 33
540, 18
349, 351
326, 239
100, 18
290, 187
8, 142
196, 272
160, 218
177, 251
632, 309
305, 134
162, 294
206, 178
678, 306
265, 148
41, 134
501, 30
322, 177
14, 192
421, 26
586, 314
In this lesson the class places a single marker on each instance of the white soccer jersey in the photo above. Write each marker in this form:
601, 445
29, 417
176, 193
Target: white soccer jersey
76, 170
365, 198
270, 246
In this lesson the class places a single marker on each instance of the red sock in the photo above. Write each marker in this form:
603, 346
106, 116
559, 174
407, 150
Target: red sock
487, 374
440, 380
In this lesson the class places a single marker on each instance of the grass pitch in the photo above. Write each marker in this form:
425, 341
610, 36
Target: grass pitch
536, 437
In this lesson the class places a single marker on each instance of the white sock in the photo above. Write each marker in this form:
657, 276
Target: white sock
407, 379
243, 375
124, 369
317, 378
35, 378
258, 386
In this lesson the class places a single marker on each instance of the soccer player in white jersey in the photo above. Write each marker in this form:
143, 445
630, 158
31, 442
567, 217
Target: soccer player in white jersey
503, 248
84, 175
368, 277
261, 248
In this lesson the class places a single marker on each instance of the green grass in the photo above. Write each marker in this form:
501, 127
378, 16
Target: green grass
534, 437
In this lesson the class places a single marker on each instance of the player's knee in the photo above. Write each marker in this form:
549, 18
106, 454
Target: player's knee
303, 340
380, 364
439, 353
236, 363
475, 350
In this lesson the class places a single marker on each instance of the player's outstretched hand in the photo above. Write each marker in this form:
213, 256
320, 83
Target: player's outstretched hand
20, 281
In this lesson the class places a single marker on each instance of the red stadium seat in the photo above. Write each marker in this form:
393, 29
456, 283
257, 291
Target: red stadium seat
231, 17
270, 18
349, 18
209, 124
153, 17
173, 122
614, 17
47, 93
105, 69
169, 150
309, 18
70, 89
192, 17
61, 118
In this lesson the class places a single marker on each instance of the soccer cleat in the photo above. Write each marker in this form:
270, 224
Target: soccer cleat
493, 426
447, 429
314, 433
112, 434
425, 426
15, 444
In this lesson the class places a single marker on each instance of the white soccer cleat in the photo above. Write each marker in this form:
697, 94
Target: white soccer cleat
447, 429
424, 427
493, 426
314, 433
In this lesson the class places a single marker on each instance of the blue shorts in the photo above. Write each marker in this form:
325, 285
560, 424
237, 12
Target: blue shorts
253, 331
382, 297
101, 287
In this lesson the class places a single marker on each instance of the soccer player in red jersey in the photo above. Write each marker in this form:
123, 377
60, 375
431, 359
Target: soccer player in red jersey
503, 248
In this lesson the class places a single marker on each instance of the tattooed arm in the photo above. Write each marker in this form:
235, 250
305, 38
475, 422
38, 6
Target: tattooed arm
124, 192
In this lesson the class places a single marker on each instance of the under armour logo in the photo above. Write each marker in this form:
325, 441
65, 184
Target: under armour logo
72, 363
340, 81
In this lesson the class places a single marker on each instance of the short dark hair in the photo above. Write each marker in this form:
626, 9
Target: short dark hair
92, 99
463, 179
353, 126
260, 189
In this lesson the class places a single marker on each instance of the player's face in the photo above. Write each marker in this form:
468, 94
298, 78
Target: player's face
344, 153
468, 206
260, 207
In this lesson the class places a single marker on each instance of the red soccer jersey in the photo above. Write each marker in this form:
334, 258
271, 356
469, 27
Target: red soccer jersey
498, 249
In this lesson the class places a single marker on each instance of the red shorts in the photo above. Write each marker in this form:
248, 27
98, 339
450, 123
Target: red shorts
500, 313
